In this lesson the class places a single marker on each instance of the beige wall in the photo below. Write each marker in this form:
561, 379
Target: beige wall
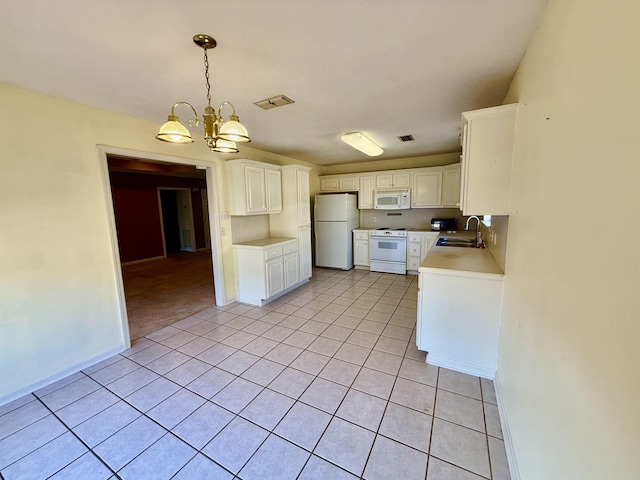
569, 368
418, 218
58, 283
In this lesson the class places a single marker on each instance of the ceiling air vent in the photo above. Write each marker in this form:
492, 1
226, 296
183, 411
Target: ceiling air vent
406, 138
273, 102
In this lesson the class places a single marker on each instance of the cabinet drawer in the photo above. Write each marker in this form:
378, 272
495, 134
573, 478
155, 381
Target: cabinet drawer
414, 237
290, 248
272, 252
413, 263
413, 250
361, 235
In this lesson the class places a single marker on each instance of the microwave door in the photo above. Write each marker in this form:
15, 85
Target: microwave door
387, 202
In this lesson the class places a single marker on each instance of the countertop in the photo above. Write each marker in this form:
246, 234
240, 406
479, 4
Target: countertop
264, 242
461, 260
365, 229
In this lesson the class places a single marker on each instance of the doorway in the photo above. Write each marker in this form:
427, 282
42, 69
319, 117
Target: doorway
170, 225
178, 222
158, 290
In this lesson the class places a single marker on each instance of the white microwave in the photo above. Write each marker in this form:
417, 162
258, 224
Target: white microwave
392, 199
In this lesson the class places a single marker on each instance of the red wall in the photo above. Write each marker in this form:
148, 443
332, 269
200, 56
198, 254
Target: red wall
137, 213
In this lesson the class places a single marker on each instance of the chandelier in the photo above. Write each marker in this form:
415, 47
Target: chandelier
221, 136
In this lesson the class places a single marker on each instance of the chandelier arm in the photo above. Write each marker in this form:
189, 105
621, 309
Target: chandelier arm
222, 105
196, 120
195, 114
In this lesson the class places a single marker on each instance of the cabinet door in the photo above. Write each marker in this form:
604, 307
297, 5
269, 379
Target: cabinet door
451, 187
348, 184
393, 180
361, 252
402, 180
488, 138
304, 204
273, 188
365, 193
275, 276
429, 242
254, 181
329, 184
290, 266
427, 189
384, 180
304, 251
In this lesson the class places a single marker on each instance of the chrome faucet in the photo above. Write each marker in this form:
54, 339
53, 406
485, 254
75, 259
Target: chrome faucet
478, 234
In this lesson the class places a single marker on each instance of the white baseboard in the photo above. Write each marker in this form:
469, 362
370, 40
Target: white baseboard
58, 376
506, 431
458, 366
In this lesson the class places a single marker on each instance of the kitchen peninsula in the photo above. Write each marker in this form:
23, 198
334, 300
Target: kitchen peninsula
459, 305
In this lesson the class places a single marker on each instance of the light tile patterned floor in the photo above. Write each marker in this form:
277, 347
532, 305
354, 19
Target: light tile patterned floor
324, 383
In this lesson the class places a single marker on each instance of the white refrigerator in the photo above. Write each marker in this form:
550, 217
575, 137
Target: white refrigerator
335, 218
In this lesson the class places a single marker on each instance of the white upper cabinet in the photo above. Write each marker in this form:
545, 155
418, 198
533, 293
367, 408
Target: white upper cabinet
431, 187
273, 192
427, 188
451, 186
255, 187
365, 192
303, 197
339, 183
393, 180
487, 157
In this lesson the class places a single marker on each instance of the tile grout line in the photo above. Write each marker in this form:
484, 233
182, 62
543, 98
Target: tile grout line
89, 449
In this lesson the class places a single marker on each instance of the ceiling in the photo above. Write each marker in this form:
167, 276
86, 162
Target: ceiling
384, 68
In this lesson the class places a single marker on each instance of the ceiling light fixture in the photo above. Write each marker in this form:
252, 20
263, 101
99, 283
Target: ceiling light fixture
358, 141
221, 136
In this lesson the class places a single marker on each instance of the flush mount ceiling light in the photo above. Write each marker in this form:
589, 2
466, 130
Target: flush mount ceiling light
220, 135
358, 141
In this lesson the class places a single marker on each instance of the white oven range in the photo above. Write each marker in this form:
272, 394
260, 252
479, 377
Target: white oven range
388, 250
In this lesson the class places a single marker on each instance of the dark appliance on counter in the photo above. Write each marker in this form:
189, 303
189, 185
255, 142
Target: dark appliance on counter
443, 224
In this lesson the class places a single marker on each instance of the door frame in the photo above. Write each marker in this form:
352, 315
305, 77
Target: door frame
189, 220
214, 226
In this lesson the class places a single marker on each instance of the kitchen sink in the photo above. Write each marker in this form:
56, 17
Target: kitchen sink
456, 242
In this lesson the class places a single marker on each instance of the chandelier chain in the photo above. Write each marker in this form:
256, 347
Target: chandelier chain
206, 76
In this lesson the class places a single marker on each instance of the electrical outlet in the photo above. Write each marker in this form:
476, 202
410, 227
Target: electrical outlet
374, 219
223, 232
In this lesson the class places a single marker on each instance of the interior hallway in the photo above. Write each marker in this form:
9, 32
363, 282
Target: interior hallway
161, 292
324, 383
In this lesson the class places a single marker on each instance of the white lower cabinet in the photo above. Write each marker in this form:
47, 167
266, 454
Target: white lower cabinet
304, 251
418, 245
290, 267
265, 269
275, 277
361, 248
459, 320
